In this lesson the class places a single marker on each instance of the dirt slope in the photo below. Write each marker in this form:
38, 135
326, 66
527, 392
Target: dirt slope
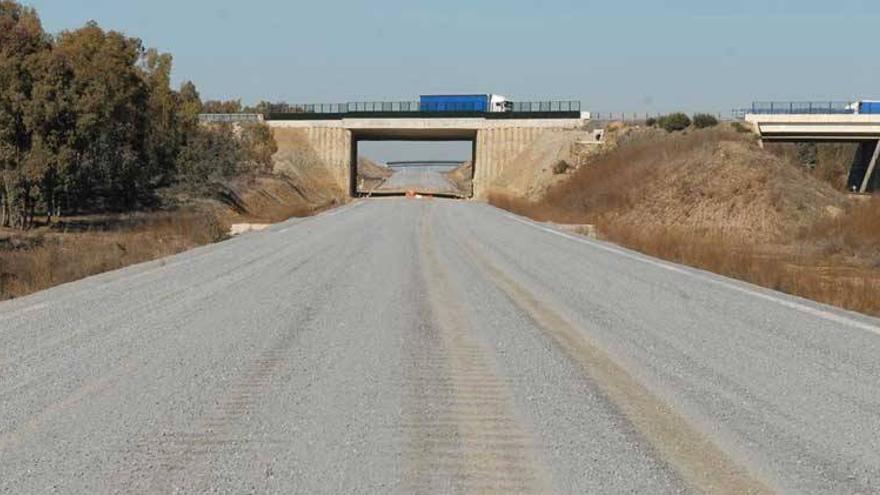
312, 177
463, 177
534, 170
715, 200
704, 180
370, 174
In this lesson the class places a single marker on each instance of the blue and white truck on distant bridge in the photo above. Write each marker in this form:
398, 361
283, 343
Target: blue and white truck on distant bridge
464, 103
866, 107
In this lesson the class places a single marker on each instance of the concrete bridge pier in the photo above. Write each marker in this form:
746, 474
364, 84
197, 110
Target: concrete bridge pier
863, 176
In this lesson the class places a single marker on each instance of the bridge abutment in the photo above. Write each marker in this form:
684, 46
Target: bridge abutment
496, 143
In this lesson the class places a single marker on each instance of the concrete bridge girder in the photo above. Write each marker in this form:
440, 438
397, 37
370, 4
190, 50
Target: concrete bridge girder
850, 127
496, 142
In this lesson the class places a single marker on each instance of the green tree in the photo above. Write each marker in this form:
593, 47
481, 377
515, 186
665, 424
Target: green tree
259, 146
674, 122
163, 137
190, 104
50, 121
212, 153
704, 120
112, 116
217, 106
21, 38
89, 120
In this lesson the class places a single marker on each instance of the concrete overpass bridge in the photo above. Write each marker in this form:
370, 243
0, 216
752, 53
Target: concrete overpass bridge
824, 122
335, 130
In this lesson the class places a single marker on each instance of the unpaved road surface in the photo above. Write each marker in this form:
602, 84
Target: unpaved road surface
419, 179
406, 346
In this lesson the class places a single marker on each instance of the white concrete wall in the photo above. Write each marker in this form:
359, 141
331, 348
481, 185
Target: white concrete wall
497, 148
333, 146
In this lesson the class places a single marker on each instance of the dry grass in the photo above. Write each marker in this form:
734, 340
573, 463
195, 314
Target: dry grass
713, 200
84, 246
800, 271
36, 261
302, 185
832, 160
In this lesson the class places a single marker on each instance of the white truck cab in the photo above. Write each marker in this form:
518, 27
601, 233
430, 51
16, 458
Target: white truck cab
498, 103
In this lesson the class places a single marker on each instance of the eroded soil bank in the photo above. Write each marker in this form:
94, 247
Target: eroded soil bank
713, 199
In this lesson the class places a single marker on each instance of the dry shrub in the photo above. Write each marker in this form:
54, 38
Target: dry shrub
800, 272
611, 182
51, 258
82, 246
537, 210
852, 232
832, 161
614, 181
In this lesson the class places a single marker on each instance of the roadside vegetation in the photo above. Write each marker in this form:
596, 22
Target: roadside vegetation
711, 198
679, 121
103, 163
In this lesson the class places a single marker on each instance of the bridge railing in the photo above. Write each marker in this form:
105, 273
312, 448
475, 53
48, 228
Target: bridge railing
415, 106
342, 108
546, 106
801, 108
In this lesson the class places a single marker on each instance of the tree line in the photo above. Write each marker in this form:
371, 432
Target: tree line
89, 121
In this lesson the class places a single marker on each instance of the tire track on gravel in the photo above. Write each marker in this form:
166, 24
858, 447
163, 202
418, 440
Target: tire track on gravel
700, 462
184, 460
463, 433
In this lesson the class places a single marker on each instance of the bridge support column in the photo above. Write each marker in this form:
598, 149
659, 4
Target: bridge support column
861, 174
869, 173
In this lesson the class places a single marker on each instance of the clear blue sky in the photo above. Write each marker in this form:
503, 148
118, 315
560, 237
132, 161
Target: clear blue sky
636, 55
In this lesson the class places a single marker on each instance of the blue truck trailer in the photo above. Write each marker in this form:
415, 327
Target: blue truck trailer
463, 103
868, 107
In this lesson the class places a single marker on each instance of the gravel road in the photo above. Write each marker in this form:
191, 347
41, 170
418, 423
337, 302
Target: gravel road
432, 346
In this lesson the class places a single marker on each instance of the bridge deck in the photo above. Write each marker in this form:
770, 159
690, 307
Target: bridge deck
816, 127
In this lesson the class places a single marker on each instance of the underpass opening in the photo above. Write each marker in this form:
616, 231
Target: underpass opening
860, 154
436, 162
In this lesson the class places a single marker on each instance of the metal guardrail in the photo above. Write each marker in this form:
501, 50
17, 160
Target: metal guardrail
230, 117
801, 108
343, 108
546, 106
415, 106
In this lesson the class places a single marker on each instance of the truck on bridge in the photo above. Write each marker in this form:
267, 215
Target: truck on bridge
866, 107
464, 103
